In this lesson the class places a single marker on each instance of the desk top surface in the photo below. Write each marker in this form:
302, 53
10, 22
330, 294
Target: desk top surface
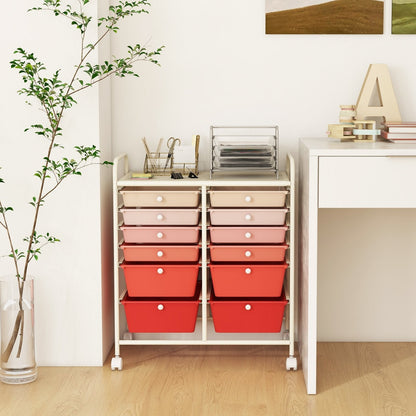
331, 147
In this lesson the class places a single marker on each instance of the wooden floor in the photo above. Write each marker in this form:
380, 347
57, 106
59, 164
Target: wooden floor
354, 379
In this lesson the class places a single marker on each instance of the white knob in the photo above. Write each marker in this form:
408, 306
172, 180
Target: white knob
159, 270
247, 198
248, 217
248, 307
248, 253
159, 235
248, 270
159, 217
160, 307
159, 198
247, 235
159, 253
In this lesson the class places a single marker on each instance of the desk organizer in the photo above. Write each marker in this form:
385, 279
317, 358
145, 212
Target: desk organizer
244, 148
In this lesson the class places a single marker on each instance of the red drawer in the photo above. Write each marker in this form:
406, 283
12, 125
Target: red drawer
161, 280
160, 253
246, 253
254, 280
162, 235
248, 235
161, 314
248, 315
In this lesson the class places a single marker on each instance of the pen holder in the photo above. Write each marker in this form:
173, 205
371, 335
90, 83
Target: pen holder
161, 164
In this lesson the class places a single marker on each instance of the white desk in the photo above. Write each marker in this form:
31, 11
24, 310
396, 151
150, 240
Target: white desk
342, 175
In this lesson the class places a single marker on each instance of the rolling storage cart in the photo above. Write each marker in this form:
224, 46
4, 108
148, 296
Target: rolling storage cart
205, 261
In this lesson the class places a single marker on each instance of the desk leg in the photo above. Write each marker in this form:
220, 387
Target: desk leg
308, 254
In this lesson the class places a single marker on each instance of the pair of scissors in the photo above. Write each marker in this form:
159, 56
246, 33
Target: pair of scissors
171, 145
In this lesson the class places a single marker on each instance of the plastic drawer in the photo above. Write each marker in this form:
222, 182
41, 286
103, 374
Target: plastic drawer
172, 216
143, 235
245, 253
160, 280
159, 197
248, 217
247, 197
242, 280
253, 315
248, 235
160, 253
161, 314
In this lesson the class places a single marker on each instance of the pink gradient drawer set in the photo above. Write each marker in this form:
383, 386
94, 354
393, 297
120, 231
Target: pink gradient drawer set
247, 253
161, 252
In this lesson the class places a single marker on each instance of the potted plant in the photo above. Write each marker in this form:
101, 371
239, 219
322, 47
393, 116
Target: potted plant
55, 96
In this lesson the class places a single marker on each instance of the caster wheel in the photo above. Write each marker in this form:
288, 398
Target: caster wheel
117, 363
291, 363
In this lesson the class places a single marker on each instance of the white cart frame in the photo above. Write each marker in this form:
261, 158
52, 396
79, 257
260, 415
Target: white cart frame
204, 331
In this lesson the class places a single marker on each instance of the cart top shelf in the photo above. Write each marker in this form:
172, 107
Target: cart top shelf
221, 178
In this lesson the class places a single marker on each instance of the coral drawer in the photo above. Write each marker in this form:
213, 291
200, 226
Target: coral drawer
247, 315
160, 280
247, 197
248, 217
248, 235
156, 197
252, 253
161, 314
254, 280
172, 216
163, 235
153, 253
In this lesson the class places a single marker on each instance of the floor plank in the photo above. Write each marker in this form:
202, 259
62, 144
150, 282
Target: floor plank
354, 379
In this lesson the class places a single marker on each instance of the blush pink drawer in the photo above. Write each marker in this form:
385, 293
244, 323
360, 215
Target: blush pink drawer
245, 253
172, 216
253, 280
248, 235
160, 280
247, 217
247, 197
156, 197
143, 235
160, 253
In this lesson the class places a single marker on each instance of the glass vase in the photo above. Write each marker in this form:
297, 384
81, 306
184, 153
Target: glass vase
18, 364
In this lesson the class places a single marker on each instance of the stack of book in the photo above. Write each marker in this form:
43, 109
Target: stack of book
399, 132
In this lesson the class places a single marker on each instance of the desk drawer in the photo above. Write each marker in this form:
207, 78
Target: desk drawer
367, 182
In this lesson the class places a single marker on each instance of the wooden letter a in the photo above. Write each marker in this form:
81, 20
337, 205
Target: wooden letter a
378, 76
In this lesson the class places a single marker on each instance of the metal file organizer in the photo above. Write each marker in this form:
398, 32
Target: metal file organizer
244, 149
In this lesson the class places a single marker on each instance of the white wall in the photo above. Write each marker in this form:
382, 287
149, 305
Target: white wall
69, 288
220, 68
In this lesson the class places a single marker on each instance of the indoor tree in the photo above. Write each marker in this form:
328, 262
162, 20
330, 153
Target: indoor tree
56, 96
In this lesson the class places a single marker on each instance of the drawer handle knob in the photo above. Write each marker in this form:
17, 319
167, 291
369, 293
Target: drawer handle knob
248, 253
248, 217
248, 307
248, 270
160, 270
248, 198
159, 217
159, 253
159, 235
159, 198
247, 235
160, 307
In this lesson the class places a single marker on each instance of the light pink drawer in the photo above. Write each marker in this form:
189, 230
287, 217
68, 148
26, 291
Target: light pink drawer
247, 217
248, 235
247, 197
160, 253
162, 235
172, 216
160, 197
245, 253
